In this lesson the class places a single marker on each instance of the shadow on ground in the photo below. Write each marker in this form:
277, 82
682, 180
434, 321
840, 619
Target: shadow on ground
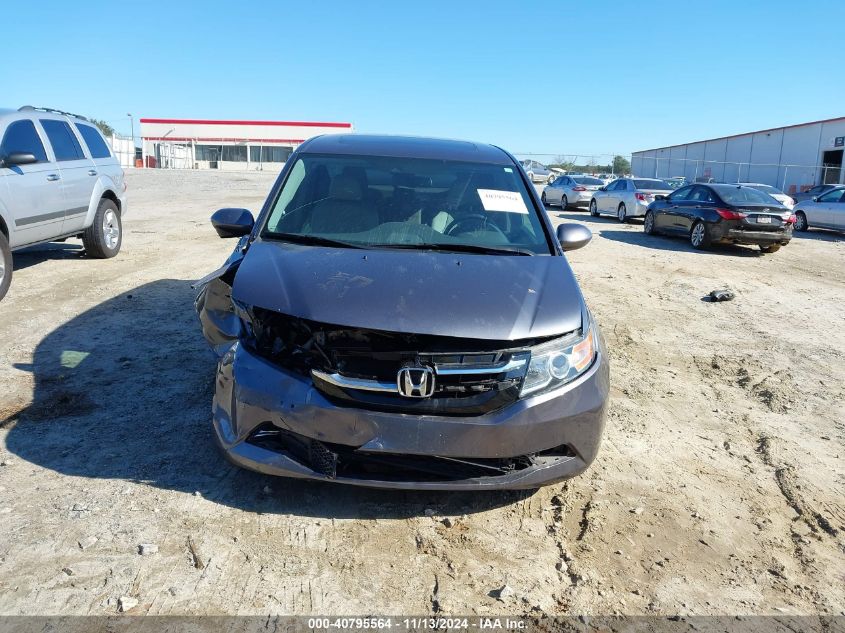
679, 244
123, 391
33, 255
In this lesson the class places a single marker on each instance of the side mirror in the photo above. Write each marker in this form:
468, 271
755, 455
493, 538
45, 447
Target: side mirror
573, 236
19, 158
815, 198
232, 222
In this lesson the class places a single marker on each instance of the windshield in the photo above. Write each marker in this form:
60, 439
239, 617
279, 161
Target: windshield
588, 181
767, 189
378, 201
651, 184
743, 195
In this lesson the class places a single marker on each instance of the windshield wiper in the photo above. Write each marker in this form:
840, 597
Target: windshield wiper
456, 248
313, 240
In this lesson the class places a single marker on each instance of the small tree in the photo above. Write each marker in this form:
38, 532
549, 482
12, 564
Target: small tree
105, 128
621, 165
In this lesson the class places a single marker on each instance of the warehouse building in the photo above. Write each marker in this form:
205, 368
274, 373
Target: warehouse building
792, 158
229, 145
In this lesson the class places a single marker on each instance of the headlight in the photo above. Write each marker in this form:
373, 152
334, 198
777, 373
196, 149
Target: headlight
558, 362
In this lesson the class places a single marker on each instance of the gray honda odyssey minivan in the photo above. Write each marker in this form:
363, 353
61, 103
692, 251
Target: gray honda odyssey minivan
401, 314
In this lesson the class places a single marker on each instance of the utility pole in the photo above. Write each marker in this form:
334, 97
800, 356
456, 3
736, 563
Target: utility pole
132, 127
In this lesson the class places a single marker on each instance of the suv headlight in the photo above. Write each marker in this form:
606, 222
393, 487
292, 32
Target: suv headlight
558, 362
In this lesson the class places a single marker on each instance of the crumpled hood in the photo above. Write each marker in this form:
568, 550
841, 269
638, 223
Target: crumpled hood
422, 292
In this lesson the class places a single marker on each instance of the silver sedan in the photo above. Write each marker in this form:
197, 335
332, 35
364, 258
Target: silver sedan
571, 191
628, 197
826, 211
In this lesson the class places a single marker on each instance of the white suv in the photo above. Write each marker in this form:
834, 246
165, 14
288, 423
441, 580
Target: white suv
58, 179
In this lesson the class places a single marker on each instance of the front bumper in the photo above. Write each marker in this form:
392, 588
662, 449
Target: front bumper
253, 394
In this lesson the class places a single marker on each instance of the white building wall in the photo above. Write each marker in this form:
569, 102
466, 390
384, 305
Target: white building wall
787, 158
765, 157
714, 157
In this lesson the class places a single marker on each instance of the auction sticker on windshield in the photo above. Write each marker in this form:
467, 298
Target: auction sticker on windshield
504, 201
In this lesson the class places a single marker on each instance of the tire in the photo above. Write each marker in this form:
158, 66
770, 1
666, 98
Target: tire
648, 223
543, 198
103, 239
530, 176
5, 266
594, 209
622, 213
771, 248
699, 238
564, 203
550, 180
801, 223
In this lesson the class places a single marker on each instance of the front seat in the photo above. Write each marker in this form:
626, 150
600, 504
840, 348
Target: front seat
344, 210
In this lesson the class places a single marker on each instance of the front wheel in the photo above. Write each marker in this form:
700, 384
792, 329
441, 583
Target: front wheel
622, 213
801, 223
104, 237
5, 266
594, 209
770, 248
698, 236
648, 224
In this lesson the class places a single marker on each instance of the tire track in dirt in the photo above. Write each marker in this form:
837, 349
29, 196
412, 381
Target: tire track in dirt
790, 489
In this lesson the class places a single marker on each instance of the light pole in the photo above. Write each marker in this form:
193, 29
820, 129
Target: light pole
132, 127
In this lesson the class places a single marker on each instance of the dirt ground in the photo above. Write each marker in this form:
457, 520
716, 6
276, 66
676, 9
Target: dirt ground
719, 489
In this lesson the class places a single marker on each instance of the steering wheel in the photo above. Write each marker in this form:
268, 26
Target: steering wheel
473, 217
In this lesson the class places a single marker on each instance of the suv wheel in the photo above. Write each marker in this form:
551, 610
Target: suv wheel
5, 265
801, 223
103, 238
698, 236
622, 213
594, 209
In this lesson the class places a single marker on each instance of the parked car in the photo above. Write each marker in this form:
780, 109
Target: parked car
812, 192
720, 213
774, 192
437, 339
826, 211
571, 190
58, 179
676, 181
627, 197
537, 172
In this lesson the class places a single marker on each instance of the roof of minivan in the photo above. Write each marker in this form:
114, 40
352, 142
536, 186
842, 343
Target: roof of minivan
406, 147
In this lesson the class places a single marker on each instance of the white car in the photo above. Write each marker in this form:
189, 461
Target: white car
774, 192
58, 179
571, 190
826, 211
628, 197
537, 172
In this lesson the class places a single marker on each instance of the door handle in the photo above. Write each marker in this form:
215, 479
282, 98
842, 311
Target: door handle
92, 172
53, 177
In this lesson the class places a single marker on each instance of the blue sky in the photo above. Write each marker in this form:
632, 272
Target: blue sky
544, 77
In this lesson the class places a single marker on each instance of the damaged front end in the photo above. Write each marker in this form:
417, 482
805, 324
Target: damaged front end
303, 398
